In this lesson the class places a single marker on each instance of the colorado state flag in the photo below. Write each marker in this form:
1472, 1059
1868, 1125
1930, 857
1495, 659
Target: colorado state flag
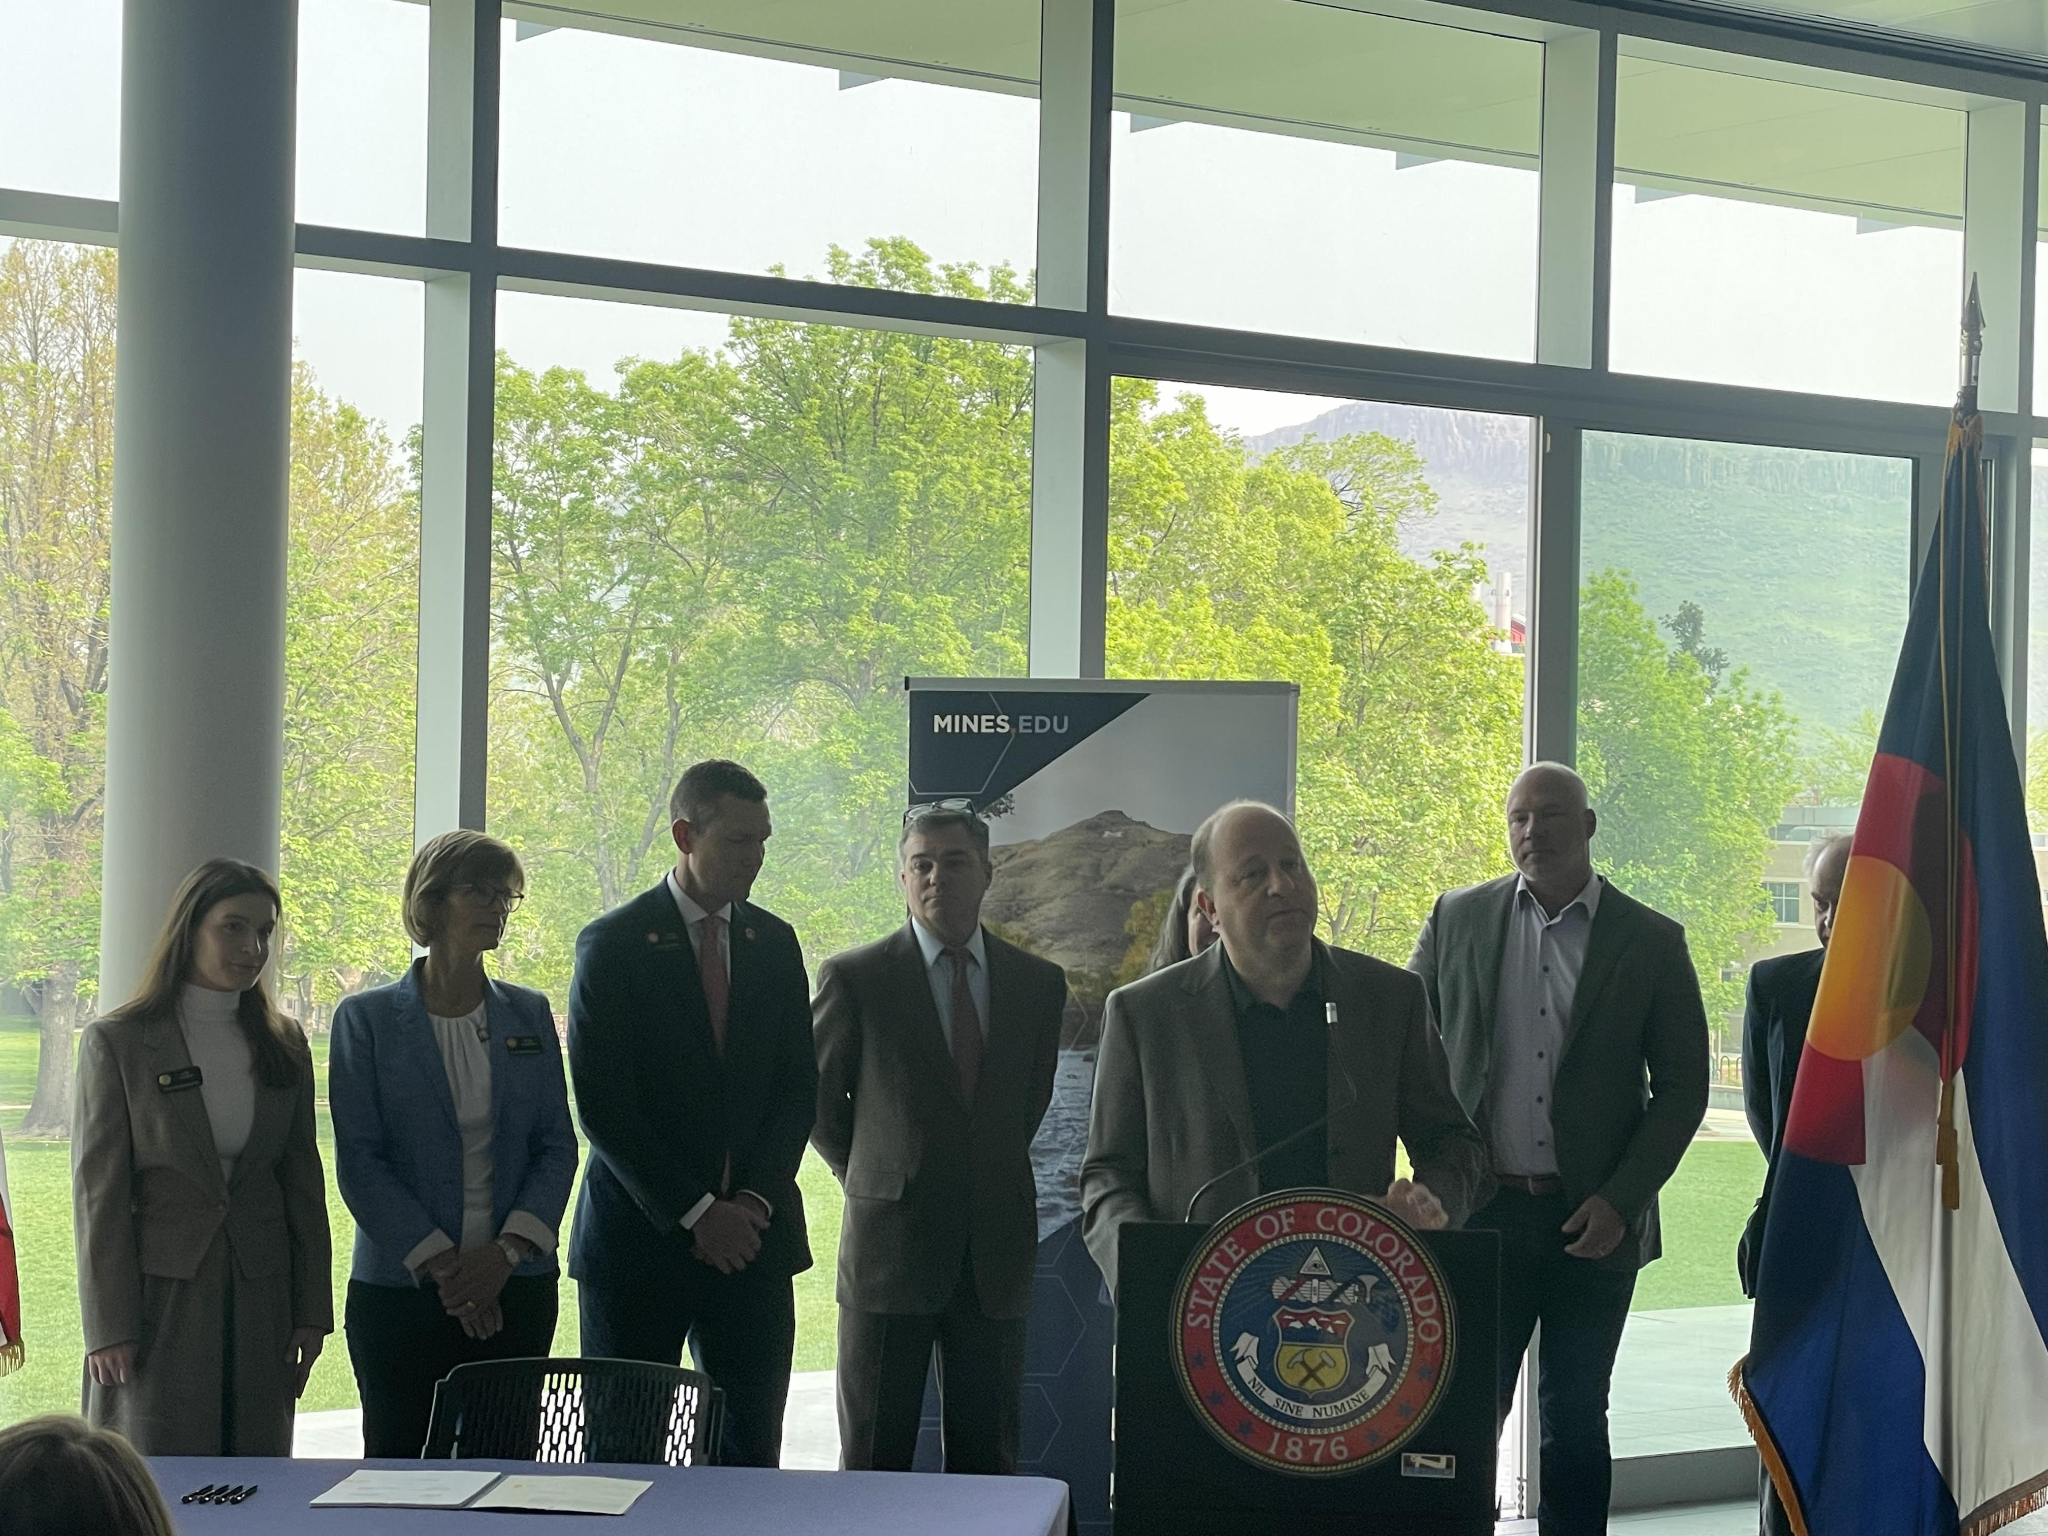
1897, 1380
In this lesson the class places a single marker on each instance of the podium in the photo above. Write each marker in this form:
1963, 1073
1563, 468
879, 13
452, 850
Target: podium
1172, 1475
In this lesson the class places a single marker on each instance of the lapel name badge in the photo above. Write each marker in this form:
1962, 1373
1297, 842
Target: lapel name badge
184, 1077
1423, 1464
522, 1045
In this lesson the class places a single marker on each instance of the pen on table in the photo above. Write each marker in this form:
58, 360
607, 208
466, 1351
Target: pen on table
202, 1493
223, 1493
236, 1498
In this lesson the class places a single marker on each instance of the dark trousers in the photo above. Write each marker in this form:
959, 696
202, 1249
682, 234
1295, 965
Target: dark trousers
401, 1343
882, 1362
741, 1330
1582, 1306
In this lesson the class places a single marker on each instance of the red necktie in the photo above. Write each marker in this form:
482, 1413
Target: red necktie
967, 1040
717, 983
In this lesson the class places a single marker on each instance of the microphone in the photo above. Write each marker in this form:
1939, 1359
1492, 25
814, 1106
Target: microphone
1317, 1124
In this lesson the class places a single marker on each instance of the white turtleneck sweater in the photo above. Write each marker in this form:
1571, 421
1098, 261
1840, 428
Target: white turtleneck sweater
227, 1068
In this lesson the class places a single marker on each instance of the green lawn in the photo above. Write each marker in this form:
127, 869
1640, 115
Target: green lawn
39, 1187
1704, 1208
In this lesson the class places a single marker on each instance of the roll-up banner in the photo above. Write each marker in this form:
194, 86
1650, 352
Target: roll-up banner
1092, 792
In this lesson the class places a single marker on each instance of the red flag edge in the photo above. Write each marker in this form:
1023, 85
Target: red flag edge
1774, 1463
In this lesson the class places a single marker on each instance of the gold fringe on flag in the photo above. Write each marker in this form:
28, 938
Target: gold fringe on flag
1767, 1448
2011, 1506
11, 1356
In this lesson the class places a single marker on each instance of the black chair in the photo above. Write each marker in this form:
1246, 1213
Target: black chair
576, 1411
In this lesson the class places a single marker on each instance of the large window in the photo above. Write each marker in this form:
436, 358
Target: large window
1791, 231
362, 145
720, 134
60, 96
1317, 170
1740, 615
1369, 553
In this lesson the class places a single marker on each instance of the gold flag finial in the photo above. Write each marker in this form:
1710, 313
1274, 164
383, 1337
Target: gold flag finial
1973, 336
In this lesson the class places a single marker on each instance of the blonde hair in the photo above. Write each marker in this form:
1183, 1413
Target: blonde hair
454, 858
59, 1475
280, 1048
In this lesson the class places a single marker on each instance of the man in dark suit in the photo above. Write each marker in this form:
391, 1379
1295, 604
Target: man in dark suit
690, 1049
936, 1052
1206, 1063
1560, 999
1774, 1016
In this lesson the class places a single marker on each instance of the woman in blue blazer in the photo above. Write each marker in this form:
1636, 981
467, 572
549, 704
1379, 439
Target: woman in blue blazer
452, 1147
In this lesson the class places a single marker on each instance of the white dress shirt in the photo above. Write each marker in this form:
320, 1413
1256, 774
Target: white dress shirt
214, 1040
938, 970
1539, 977
693, 924
466, 1057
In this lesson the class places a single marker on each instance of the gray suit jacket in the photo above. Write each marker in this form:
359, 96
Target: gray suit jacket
1172, 1111
1632, 1074
930, 1180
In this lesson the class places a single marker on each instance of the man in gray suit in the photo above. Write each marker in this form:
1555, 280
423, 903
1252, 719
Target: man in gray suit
1208, 1063
936, 1052
1560, 999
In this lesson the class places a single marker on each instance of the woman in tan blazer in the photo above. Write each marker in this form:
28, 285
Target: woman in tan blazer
197, 1194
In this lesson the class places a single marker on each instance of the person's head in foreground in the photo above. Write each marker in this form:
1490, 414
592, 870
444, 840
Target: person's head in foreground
61, 1477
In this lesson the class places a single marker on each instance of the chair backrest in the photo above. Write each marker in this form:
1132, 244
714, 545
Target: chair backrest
575, 1411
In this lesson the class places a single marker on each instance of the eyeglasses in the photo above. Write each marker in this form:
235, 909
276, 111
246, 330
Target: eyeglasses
955, 806
490, 895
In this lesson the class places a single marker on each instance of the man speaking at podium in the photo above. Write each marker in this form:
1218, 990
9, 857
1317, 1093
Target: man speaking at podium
1271, 1061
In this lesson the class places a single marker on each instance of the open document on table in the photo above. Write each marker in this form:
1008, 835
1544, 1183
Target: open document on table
368, 1489
562, 1495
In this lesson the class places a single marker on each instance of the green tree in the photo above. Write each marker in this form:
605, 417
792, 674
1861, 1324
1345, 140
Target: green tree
1291, 567
1689, 774
56, 504
351, 642
743, 553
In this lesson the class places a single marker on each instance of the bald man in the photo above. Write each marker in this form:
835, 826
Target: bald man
1578, 1045
1205, 1064
1776, 1008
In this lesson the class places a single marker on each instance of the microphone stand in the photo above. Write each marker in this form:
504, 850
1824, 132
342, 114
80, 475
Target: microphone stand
1320, 1121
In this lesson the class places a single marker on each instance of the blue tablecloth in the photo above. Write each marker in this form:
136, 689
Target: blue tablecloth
702, 1501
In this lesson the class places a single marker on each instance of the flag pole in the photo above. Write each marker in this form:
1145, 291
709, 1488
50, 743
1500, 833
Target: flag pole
1964, 435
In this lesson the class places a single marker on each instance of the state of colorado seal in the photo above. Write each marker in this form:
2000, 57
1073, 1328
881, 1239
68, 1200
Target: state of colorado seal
1313, 1332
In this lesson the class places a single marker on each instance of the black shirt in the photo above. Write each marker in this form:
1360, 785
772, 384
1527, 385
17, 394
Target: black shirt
1286, 1072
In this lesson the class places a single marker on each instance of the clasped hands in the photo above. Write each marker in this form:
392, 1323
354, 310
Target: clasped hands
470, 1283
727, 1236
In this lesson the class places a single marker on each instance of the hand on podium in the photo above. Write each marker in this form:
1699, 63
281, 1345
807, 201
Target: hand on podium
1412, 1201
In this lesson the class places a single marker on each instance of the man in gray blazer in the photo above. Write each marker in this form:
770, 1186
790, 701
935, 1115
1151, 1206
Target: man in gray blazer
936, 1053
1578, 1045
1210, 1062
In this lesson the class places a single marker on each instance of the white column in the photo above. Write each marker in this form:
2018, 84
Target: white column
195, 701
1070, 406
450, 754
1576, 203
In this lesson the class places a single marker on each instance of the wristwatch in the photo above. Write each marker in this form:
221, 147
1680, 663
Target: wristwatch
511, 1251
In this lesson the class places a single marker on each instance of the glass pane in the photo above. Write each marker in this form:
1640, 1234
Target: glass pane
1740, 618
351, 660
1320, 171
738, 543
362, 149
1759, 224
713, 133
60, 99
1296, 538
56, 495
2037, 662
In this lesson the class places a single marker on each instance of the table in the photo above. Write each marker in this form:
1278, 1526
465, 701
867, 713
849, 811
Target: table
703, 1501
